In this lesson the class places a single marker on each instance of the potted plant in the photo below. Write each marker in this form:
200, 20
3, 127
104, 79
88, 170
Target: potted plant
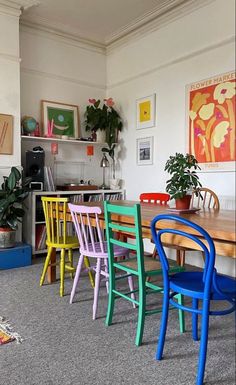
12, 194
184, 179
107, 119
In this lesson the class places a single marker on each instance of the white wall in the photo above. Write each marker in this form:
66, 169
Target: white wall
10, 81
192, 48
58, 69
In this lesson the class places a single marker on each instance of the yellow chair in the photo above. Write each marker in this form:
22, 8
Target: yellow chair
57, 238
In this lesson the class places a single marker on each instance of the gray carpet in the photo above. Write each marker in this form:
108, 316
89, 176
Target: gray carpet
63, 346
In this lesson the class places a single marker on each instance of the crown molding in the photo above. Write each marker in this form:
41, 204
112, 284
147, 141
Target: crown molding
62, 78
154, 21
13, 58
229, 40
158, 17
52, 33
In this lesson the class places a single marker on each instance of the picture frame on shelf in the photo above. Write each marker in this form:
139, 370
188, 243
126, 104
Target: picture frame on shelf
60, 120
144, 151
146, 112
6, 134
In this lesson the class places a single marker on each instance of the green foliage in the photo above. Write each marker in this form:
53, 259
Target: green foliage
12, 194
183, 171
104, 118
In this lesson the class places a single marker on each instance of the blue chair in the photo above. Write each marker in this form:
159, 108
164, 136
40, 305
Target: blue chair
206, 286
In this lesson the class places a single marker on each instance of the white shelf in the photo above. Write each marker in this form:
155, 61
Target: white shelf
42, 139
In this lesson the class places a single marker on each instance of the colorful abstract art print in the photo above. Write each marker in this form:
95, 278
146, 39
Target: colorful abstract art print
60, 119
211, 122
145, 112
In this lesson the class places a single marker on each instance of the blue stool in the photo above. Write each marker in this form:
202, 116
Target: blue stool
206, 286
17, 256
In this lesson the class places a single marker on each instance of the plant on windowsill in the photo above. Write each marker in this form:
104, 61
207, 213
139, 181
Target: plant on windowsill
106, 119
184, 179
12, 194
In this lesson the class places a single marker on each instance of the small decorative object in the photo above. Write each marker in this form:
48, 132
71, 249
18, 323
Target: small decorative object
211, 122
145, 151
29, 125
12, 194
54, 148
60, 119
184, 179
6, 134
104, 164
6, 332
145, 111
114, 184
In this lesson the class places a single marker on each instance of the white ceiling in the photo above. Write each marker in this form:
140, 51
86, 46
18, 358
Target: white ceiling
98, 21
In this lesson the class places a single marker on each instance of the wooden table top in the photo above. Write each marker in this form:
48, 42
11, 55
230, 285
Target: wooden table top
219, 224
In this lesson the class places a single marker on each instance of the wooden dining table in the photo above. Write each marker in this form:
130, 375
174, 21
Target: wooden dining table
220, 224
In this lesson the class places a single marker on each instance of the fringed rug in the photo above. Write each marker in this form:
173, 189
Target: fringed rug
7, 334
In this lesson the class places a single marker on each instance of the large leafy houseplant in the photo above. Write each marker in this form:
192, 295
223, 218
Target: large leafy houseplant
12, 194
184, 179
107, 119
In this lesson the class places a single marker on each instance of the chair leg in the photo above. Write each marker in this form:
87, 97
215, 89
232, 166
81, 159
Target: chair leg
181, 313
182, 258
70, 257
97, 287
87, 265
141, 311
76, 279
62, 272
164, 320
106, 270
111, 298
195, 320
131, 287
204, 341
46, 264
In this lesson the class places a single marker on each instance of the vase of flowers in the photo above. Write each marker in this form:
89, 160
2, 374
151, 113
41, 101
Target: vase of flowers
103, 118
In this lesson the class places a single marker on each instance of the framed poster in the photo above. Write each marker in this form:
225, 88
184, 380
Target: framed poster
60, 119
211, 122
145, 151
6, 134
145, 111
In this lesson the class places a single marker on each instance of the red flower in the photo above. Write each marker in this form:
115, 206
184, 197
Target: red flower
109, 102
92, 101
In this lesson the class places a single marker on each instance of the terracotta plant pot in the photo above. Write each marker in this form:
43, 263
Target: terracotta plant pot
7, 237
183, 203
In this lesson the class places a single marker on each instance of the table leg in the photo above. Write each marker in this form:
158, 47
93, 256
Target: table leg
51, 273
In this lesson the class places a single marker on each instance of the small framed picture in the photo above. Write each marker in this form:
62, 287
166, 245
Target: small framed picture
145, 151
6, 134
146, 111
60, 119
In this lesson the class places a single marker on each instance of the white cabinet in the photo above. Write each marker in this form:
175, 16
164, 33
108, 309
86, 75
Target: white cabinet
34, 232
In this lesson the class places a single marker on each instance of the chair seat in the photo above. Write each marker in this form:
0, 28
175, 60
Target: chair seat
118, 250
70, 243
191, 284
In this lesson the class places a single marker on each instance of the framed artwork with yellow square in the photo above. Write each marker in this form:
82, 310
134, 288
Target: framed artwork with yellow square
146, 111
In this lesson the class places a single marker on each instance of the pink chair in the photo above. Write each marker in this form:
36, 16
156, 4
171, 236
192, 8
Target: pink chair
92, 244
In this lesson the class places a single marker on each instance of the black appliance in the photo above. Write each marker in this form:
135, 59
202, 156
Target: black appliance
34, 165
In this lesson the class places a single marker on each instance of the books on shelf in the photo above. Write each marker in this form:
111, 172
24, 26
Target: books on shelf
113, 197
48, 179
40, 237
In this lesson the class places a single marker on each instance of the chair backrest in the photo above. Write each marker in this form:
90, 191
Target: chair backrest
160, 198
133, 229
87, 227
55, 217
206, 199
184, 228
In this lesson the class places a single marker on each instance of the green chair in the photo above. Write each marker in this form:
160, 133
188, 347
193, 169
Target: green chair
139, 266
